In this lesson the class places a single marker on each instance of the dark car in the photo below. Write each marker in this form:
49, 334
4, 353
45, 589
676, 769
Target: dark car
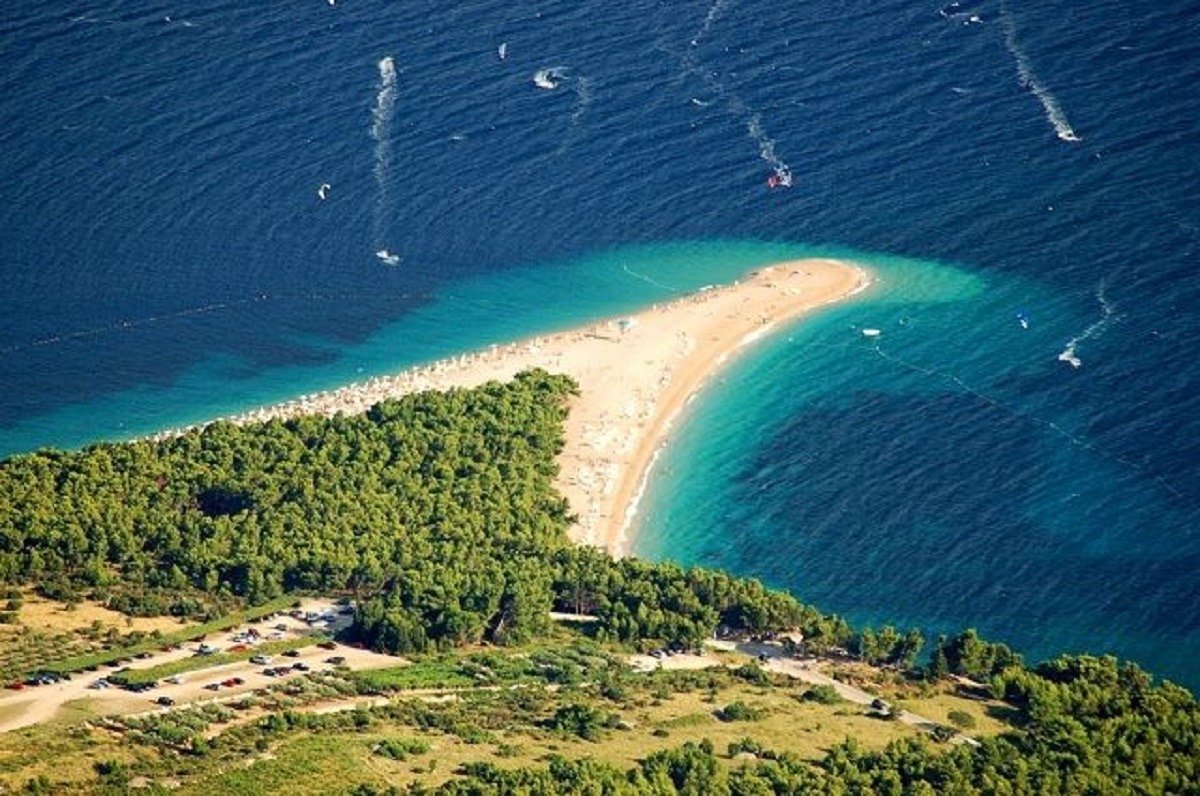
328, 645
291, 653
42, 678
301, 666
165, 701
336, 660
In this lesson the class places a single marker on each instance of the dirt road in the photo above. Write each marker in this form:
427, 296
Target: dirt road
38, 704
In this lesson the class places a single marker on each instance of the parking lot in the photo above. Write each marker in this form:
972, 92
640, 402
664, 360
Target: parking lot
92, 692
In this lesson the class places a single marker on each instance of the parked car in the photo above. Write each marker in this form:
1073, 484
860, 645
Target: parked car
16, 685
42, 678
260, 659
99, 685
291, 653
328, 645
165, 701
175, 679
301, 666
213, 686
336, 660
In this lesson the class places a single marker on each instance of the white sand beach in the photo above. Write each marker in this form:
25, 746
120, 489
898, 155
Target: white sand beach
635, 374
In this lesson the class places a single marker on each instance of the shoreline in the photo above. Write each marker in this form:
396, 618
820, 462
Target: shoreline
835, 281
636, 374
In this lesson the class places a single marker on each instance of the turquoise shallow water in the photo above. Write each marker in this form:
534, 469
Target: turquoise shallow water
935, 475
490, 307
166, 258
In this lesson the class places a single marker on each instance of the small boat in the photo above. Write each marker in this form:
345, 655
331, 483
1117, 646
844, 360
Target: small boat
780, 179
387, 257
1023, 319
871, 332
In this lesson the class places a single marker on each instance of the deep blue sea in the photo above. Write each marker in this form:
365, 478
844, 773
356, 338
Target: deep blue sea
495, 169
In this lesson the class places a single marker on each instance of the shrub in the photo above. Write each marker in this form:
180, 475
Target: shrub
401, 748
113, 772
824, 694
748, 745
941, 733
508, 750
740, 711
580, 720
961, 719
752, 673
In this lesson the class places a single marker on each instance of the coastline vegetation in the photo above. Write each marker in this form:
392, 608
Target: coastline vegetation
436, 514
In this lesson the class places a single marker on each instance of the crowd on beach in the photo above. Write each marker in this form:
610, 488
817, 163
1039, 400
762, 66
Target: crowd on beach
635, 374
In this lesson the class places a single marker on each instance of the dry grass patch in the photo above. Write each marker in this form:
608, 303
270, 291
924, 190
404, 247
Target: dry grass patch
42, 614
939, 707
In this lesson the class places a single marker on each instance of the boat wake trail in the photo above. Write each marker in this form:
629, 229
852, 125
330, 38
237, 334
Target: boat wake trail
381, 123
766, 151
692, 66
1025, 73
381, 118
714, 11
583, 98
1108, 314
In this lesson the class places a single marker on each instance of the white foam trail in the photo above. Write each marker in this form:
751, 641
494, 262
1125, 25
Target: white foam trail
714, 11
502, 50
550, 77
583, 98
766, 151
1028, 79
782, 178
1108, 313
381, 122
381, 117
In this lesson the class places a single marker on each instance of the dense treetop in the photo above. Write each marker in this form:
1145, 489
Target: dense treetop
451, 486
438, 512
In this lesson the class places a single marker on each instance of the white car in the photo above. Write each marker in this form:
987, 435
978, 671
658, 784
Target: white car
99, 685
261, 659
